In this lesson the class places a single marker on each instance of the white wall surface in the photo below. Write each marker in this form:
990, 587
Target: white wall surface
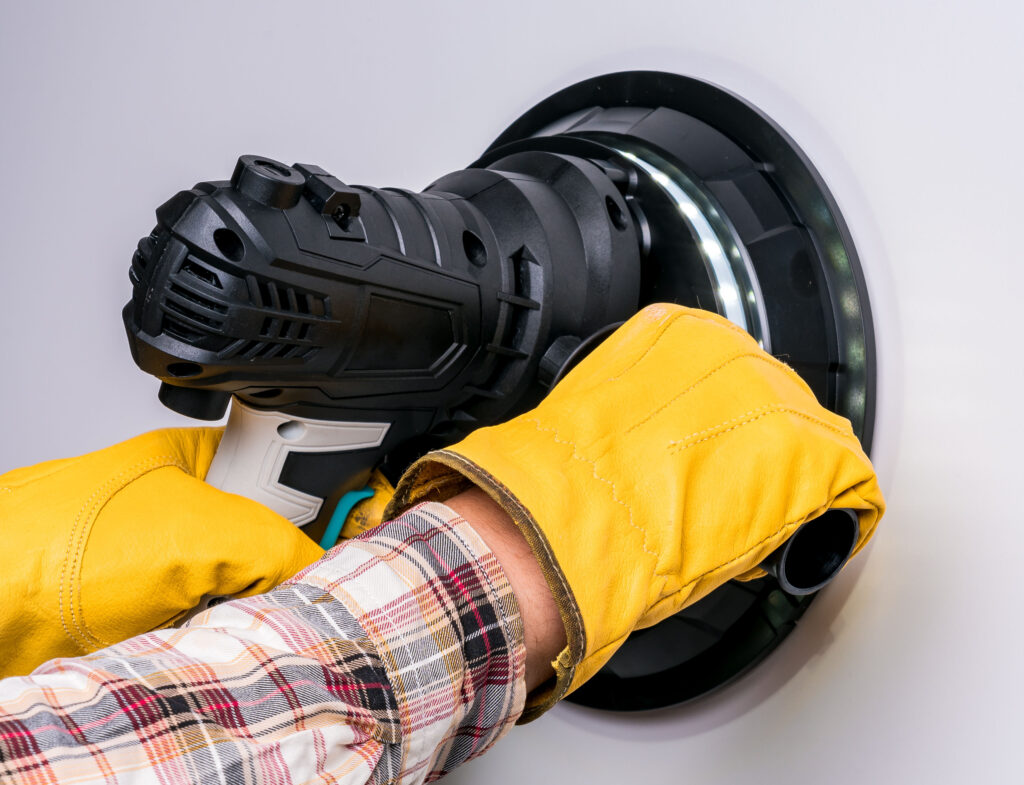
908, 669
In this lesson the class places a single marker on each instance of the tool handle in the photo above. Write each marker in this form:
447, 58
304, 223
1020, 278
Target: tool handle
256, 444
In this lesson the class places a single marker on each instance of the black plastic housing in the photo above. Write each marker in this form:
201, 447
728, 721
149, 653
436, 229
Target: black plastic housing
432, 311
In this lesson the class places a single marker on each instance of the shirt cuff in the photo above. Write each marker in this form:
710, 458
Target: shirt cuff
433, 599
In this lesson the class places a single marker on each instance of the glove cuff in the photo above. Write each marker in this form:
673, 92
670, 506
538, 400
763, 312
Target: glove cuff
441, 475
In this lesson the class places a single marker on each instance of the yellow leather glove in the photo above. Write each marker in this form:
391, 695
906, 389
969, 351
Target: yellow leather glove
125, 540
674, 458
369, 513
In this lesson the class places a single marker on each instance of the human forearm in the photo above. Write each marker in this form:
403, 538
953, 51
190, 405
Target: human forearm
397, 655
544, 634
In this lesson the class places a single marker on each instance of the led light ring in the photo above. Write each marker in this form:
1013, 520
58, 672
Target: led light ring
736, 291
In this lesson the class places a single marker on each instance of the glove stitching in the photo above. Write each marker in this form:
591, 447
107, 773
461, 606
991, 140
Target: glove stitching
753, 355
169, 462
763, 412
735, 423
84, 521
745, 419
75, 578
665, 328
593, 470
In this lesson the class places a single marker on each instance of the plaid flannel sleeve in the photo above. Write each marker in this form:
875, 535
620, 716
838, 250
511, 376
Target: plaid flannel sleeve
396, 657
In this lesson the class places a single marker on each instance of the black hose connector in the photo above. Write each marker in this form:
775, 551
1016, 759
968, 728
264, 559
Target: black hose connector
816, 553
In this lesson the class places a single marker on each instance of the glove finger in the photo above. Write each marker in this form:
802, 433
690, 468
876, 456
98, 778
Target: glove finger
166, 541
369, 513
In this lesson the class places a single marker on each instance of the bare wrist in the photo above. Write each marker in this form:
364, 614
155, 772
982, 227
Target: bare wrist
543, 632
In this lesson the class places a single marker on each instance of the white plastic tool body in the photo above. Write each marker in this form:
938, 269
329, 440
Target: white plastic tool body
256, 443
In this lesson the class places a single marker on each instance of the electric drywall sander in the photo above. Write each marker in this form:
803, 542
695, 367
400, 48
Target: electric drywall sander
351, 328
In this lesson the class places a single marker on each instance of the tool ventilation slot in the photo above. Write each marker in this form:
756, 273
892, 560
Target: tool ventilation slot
193, 269
286, 331
193, 306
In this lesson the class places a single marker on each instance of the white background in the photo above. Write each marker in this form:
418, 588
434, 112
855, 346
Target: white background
908, 670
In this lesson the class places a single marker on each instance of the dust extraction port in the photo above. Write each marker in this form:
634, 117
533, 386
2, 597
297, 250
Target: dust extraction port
815, 554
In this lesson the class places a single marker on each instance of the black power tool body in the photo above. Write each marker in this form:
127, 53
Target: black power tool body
356, 327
